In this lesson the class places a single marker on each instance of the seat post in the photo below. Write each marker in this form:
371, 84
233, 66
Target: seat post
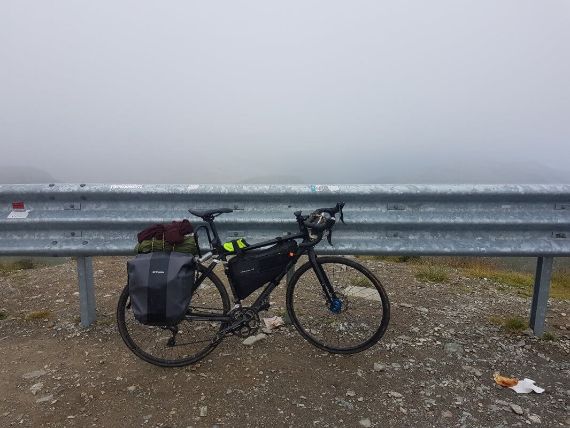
217, 242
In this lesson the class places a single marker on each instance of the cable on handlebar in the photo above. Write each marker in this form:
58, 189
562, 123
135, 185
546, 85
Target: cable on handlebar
323, 219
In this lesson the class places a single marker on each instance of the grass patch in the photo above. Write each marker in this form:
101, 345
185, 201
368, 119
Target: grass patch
3, 315
560, 286
509, 274
515, 324
37, 315
521, 280
11, 267
549, 337
432, 273
496, 320
512, 324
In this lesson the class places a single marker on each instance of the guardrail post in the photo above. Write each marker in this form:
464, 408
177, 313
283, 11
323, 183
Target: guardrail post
540, 294
86, 290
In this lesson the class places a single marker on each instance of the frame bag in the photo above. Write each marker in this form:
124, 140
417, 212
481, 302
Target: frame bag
250, 270
160, 287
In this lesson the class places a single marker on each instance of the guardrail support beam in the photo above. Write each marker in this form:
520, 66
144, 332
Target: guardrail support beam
86, 290
540, 294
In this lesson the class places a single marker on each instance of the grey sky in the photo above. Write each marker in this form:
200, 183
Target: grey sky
323, 91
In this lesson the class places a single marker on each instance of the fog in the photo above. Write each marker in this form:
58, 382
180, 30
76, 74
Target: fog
293, 92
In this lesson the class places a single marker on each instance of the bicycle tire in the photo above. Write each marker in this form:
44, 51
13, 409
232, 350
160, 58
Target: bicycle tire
364, 304
150, 342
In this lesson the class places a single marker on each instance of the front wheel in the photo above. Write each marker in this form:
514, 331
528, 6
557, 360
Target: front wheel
352, 322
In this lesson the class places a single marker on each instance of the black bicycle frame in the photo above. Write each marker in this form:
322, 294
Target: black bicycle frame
308, 249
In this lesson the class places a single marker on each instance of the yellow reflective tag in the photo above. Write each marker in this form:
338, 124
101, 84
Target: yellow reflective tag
228, 246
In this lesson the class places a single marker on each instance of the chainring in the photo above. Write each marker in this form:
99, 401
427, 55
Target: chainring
245, 322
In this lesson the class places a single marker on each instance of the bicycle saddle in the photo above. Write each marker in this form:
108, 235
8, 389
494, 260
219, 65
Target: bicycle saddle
210, 213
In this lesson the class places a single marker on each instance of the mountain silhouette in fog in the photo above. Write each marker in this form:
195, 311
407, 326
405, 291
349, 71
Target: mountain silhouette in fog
490, 172
399, 170
273, 179
393, 170
24, 175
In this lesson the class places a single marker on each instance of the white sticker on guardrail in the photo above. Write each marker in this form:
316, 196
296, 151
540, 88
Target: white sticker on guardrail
126, 186
323, 188
319, 187
19, 214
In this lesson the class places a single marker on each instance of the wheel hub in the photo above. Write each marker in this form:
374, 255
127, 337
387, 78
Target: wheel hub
336, 306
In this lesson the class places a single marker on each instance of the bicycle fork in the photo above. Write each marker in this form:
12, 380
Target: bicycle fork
334, 303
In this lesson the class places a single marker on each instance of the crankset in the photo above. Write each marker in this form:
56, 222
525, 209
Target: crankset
245, 322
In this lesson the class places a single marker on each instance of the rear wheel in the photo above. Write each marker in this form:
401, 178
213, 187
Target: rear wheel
352, 322
184, 344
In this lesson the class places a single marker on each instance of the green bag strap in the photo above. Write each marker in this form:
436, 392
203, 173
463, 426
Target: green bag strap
152, 244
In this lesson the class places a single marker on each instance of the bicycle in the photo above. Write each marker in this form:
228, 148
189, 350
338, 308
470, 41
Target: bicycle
335, 303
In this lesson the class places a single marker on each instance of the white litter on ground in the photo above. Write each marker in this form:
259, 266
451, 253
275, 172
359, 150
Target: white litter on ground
526, 386
273, 322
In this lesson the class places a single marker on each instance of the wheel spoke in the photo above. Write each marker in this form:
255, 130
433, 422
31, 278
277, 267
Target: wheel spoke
193, 340
356, 323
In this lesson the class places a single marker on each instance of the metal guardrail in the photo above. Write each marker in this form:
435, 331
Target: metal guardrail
479, 220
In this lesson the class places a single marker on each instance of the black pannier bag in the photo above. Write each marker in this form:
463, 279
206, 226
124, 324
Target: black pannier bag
160, 287
252, 269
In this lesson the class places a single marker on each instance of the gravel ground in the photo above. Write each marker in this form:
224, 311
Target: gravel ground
434, 366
